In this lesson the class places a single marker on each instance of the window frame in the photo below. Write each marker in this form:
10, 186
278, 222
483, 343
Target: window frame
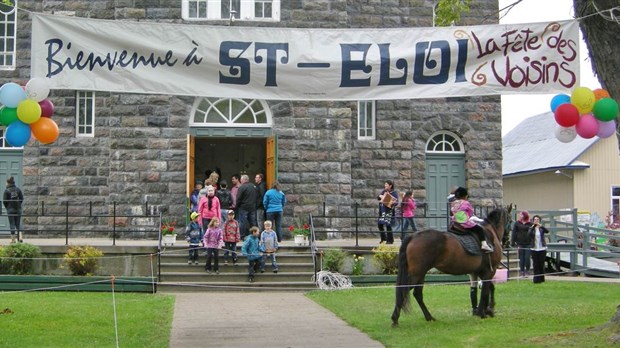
80, 114
362, 127
615, 204
9, 53
246, 10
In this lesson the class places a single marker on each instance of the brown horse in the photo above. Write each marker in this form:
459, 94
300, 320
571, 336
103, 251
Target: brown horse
426, 249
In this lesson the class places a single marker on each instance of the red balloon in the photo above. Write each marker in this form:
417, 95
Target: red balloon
47, 108
587, 127
566, 115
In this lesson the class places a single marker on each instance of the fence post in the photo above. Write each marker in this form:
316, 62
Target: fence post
356, 226
67, 223
114, 223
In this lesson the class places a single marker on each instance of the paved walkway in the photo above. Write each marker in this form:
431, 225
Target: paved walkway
257, 320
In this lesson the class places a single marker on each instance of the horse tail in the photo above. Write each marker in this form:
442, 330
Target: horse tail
402, 279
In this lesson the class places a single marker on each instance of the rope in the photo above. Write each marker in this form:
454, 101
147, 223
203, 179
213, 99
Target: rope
114, 306
326, 280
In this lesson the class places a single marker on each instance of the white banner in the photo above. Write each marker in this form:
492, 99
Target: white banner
304, 64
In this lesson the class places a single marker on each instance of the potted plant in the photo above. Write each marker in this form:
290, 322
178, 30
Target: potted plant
168, 234
300, 233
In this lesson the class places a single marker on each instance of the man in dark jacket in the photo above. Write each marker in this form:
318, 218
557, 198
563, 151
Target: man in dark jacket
246, 205
260, 193
12, 201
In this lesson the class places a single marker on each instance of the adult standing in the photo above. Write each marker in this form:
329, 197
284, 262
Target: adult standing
260, 193
520, 238
12, 200
539, 248
274, 201
233, 191
209, 207
388, 199
246, 205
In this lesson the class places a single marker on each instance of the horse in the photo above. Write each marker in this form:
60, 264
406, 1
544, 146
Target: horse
423, 250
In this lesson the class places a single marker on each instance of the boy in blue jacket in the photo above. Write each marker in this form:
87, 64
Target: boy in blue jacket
193, 235
251, 250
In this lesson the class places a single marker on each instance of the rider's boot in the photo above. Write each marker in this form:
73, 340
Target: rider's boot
486, 247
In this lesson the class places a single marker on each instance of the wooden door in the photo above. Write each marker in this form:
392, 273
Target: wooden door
10, 165
271, 164
442, 173
191, 161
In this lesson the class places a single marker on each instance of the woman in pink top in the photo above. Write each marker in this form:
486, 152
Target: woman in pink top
208, 207
463, 214
408, 209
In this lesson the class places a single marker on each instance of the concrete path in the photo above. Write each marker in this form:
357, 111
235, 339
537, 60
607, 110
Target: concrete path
259, 319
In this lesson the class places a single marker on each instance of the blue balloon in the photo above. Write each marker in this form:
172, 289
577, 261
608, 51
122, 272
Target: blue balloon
17, 134
559, 100
12, 94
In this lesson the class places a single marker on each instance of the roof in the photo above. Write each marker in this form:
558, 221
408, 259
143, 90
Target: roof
531, 147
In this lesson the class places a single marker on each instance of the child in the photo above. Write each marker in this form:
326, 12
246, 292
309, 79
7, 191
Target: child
193, 235
251, 250
212, 240
269, 245
408, 208
463, 214
231, 237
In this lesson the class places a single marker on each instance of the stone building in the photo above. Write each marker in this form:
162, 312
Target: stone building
143, 152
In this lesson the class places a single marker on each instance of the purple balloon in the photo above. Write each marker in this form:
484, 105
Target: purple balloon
606, 129
47, 108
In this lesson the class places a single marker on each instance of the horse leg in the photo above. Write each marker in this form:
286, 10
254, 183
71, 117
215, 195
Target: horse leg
490, 310
484, 299
417, 293
473, 293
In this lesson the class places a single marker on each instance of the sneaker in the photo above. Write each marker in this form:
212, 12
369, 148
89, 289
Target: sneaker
234, 263
195, 262
275, 271
251, 279
486, 247
217, 272
262, 271
189, 262
208, 271
225, 263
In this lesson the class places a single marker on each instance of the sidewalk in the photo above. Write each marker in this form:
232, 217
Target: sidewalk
257, 320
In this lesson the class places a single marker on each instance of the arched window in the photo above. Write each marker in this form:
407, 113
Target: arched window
223, 112
444, 142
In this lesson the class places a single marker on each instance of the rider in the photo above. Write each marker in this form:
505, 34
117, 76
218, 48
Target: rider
463, 214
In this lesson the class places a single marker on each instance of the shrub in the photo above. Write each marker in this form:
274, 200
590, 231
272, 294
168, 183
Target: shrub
358, 265
386, 258
17, 258
333, 259
82, 260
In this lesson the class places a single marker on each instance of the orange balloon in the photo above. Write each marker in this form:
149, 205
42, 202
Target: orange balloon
600, 93
45, 130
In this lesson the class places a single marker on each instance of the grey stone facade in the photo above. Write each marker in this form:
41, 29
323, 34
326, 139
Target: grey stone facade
139, 152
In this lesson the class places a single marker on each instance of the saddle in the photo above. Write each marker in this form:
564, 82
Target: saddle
468, 241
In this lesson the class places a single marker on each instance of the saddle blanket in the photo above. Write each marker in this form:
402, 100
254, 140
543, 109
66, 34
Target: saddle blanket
469, 242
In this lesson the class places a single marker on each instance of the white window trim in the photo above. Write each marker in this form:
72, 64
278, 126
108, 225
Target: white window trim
13, 50
361, 106
611, 208
231, 119
78, 111
214, 11
443, 134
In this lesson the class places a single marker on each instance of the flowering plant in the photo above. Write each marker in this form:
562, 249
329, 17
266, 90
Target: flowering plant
358, 265
167, 227
303, 230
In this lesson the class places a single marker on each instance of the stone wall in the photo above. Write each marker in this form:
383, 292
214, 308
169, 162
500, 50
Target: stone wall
138, 155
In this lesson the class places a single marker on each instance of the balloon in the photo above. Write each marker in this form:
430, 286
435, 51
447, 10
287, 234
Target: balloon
47, 108
17, 134
11, 94
37, 89
29, 111
559, 100
566, 115
45, 130
600, 93
587, 126
606, 129
605, 109
565, 134
583, 99
7, 115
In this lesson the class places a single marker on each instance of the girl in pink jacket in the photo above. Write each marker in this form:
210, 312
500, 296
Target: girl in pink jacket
208, 207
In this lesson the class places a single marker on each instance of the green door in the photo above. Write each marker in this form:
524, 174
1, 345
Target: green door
10, 165
442, 172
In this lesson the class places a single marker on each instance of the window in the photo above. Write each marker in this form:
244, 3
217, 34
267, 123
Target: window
85, 114
615, 203
366, 120
8, 34
230, 112
444, 142
198, 10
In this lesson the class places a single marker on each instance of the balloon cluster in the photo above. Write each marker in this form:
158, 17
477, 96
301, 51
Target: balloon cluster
587, 113
26, 112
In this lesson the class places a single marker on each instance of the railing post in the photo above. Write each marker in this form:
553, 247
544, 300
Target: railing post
42, 208
67, 223
114, 223
356, 226
90, 209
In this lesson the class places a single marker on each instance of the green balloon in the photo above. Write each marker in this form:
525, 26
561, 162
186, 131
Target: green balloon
8, 115
605, 109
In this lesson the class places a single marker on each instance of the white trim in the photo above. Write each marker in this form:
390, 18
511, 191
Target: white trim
10, 51
229, 111
445, 142
246, 9
79, 96
362, 111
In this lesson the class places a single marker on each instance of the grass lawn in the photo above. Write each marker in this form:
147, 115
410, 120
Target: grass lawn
552, 314
84, 319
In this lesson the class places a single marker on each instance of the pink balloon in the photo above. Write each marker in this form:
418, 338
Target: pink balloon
566, 115
587, 126
606, 129
47, 108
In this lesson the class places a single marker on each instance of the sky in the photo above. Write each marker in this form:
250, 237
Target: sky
516, 108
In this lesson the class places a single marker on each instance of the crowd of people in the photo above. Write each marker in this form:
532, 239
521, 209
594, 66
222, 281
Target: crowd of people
243, 208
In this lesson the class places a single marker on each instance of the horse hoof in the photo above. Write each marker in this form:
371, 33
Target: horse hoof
394, 325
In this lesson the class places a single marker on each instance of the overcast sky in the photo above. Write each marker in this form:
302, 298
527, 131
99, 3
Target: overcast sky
516, 108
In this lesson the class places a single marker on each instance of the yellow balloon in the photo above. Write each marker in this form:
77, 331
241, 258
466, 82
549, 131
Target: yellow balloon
583, 98
28, 111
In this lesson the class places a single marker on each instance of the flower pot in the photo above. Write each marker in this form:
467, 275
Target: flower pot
300, 239
169, 239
